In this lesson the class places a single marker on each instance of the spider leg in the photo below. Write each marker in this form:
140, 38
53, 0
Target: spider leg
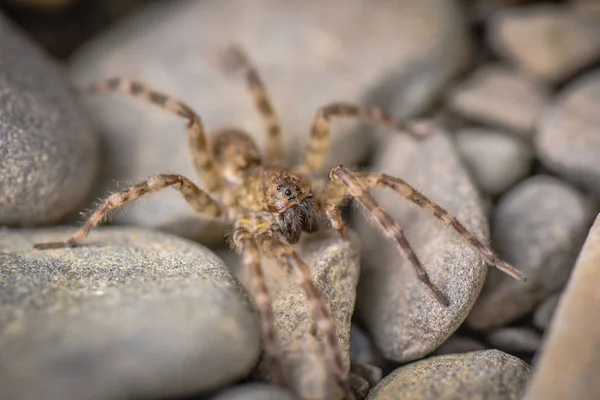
357, 189
236, 59
318, 145
335, 218
378, 180
245, 242
198, 199
286, 254
202, 159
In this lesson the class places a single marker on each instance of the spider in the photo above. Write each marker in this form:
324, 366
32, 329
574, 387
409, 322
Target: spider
270, 205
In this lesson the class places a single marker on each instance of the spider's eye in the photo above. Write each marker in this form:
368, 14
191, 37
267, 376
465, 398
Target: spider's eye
279, 187
297, 188
288, 192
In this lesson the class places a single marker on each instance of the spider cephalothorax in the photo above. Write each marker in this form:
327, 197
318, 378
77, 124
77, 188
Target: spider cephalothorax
264, 200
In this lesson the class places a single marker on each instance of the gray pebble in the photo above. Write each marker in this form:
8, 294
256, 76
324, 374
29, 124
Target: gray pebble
569, 363
459, 344
517, 339
402, 316
495, 159
538, 227
567, 140
254, 391
309, 53
129, 314
548, 41
501, 97
48, 152
487, 374
545, 311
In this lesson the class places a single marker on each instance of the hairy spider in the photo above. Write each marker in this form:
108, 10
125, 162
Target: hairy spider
265, 201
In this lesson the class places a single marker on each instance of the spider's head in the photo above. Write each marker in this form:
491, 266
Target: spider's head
291, 199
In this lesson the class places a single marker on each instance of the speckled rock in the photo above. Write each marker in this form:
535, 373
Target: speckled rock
499, 96
459, 344
548, 41
567, 140
309, 53
404, 319
130, 314
515, 339
254, 391
538, 227
545, 311
569, 364
334, 263
487, 374
496, 160
48, 152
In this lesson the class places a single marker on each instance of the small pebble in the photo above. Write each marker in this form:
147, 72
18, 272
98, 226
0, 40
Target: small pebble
459, 344
515, 339
544, 313
254, 391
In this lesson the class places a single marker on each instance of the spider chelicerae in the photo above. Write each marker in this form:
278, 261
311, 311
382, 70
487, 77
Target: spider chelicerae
270, 205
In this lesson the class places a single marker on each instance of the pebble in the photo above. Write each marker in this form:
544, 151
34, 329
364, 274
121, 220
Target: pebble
496, 160
569, 363
550, 42
486, 374
517, 339
48, 151
545, 312
254, 391
309, 54
335, 264
404, 319
459, 344
131, 313
501, 97
539, 227
568, 134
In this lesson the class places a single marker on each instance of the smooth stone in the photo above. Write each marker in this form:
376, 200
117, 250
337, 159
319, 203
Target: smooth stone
459, 344
402, 316
539, 227
486, 374
334, 263
500, 96
568, 365
567, 139
362, 348
517, 339
548, 41
131, 313
309, 53
496, 160
48, 151
542, 317
254, 391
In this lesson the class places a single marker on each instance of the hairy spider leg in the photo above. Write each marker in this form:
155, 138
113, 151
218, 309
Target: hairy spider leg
196, 197
236, 59
318, 144
274, 247
245, 243
201, 157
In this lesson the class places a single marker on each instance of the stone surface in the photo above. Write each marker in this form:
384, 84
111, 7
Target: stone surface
518, 339
402, 316
569, 363
459, 344
130, 314
499, 96
548, 41
254, 391
334, 263
362, 348
48, 152
568, 139
309, 53
495, 159
487, 374
538, 227
545, 312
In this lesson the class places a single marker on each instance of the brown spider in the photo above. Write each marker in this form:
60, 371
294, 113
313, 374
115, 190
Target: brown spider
265, 200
